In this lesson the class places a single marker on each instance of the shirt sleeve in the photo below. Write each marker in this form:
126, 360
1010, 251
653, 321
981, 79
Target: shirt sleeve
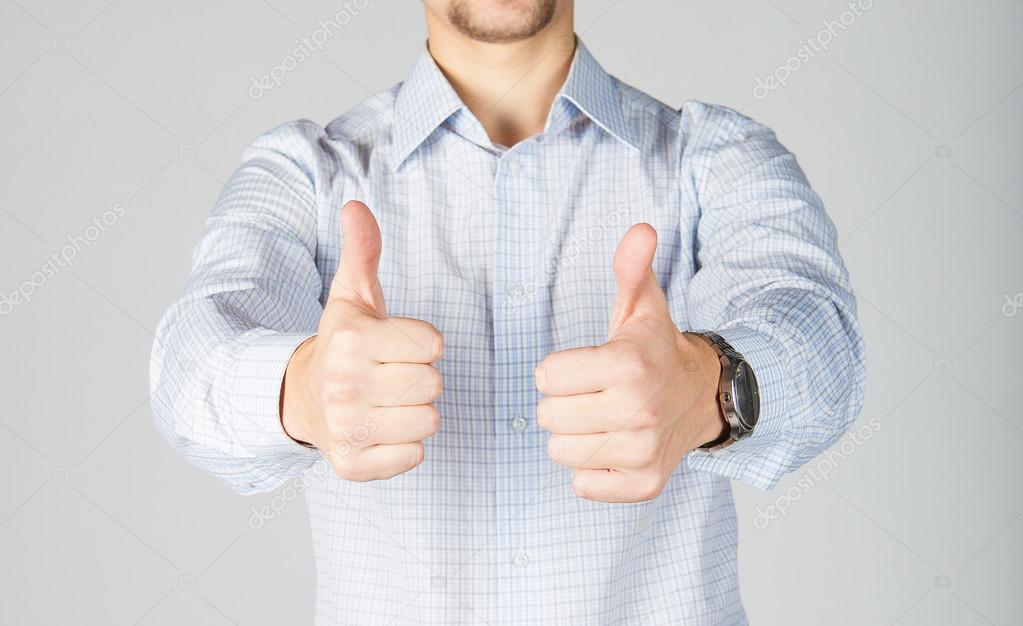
252, 297
770, 280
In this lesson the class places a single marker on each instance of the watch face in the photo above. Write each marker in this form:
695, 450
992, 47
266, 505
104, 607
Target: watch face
746, 394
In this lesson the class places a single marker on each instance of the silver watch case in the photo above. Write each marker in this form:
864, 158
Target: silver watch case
738, 393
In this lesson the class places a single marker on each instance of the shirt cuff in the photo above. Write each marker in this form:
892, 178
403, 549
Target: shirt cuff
765, 456
255, 394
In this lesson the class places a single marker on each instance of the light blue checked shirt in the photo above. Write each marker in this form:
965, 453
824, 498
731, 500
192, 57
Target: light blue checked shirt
508, 252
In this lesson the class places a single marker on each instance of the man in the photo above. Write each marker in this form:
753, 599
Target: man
465, 313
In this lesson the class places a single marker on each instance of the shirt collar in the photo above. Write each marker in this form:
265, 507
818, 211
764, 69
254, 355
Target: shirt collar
426, 100
595, 93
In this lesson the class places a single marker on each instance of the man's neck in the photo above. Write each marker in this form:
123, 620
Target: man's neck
509, 87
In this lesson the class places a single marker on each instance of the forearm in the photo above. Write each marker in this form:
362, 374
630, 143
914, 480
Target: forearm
252, 297
215, 394
783, 300
771, 282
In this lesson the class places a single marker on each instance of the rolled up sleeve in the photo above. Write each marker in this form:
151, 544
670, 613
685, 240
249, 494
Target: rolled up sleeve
252, 297
771, 281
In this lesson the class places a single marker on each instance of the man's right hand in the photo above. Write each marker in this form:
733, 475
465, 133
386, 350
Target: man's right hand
362, 389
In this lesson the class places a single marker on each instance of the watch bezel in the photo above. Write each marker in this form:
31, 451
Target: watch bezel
743, 368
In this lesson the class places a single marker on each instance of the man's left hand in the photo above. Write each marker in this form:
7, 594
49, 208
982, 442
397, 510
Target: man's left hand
625, 413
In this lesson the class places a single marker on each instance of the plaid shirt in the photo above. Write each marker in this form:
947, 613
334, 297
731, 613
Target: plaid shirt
508, 252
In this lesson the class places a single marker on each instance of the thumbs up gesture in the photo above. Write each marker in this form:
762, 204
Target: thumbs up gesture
362, 389
623, 414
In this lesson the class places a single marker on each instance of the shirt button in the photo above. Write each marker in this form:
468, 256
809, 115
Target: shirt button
521, 560
513, 167
519, 424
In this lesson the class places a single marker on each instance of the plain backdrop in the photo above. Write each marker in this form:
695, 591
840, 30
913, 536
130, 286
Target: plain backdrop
120, 120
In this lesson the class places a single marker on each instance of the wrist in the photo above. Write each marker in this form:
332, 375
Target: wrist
713, 427
295, 407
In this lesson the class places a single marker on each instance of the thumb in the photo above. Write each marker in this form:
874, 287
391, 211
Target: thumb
638, 290
356, 276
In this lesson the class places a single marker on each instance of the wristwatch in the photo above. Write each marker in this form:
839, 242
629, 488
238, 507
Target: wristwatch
738, 393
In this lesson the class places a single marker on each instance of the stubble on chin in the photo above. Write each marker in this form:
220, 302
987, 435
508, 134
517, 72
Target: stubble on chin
463, 16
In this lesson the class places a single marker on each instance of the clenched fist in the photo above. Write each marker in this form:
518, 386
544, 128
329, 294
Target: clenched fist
625, 413
362, 389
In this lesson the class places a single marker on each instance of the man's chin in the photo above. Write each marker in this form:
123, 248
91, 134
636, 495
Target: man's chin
490, 24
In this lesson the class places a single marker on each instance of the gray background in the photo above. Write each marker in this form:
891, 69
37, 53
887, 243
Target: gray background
910, 127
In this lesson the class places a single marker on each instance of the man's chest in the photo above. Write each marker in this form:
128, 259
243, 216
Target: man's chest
510, 263
520, 244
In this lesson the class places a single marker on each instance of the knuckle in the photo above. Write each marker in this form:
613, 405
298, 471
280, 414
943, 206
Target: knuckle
337, 429
345, 341
647, 415
338, 367
338, 450
643, 449
631, 457
647, 487
346, 468
631, 366
651, 446
341, 391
